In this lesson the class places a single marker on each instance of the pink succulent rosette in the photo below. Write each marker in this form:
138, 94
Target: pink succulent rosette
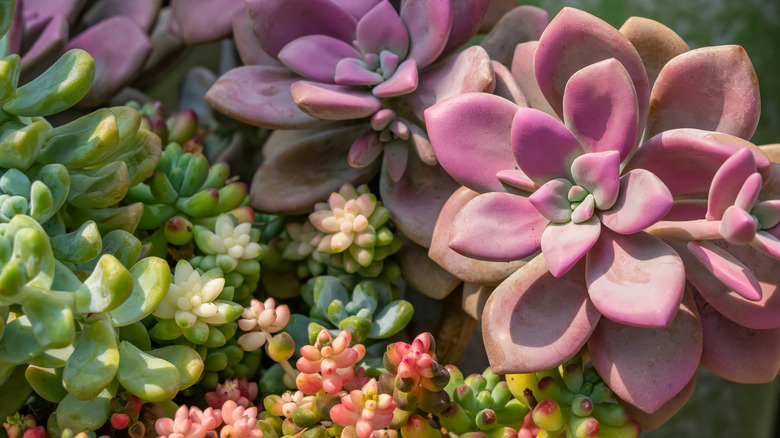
328, 364
365, 409
188, 423
568, 177
240, 422
240, 391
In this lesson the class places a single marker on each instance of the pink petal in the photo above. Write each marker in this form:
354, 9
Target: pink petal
655, 43
517, 179
333, 102
748, 194
306, 167
522, 68
727, 269
467, 17
506, 86
395, 158
429, 23
315, 56
737, 226
275, 23
464, 268
647, 367
365, 149
543, 147
551, 200
762, 314
728, 181
470, 134
635, 280
260, 96
497, 227
204, 21
534, 321
352, 71
600, 108
642, 201
424, 274
737, 353
468, 71
520, 25
575, 39
142, 12
381, 29
711, 88
663, 154
599, 174
403, 81
249, 48
563, 245
119, 48
416, 198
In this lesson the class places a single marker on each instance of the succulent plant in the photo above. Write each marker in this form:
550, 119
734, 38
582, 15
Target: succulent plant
366, 410
241, 391
328, 363
189, 422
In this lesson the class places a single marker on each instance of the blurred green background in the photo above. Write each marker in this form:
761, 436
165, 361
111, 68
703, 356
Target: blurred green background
752, 24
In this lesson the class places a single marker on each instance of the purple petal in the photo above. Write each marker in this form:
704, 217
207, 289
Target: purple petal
144, 12
468, 71
600, 108
428, 23
599, 174
737, 353
737, 226
467, 269
470, 134
204, 21
365, 149
647, 367
260, 96
358, 8
523, 71
748, 194
352, 71
663, 154
403, 81
249, 48
506, 86
416, 198
422, 145
306, 167
635, 280
516, 178
276, 23
68, 9
467, 17
543, 147
47, 48
655, 43
575, 39
381, 29
642, 201
711, 88
762, 314
727, 269
551, 200
533, 321
520, 25
497, 227
422, 273
315, 56
563, 245
119, 48
333, 102
395, 158
728, 181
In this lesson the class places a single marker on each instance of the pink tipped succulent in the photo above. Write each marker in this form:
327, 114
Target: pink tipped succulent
329, 363
366, 409
240, 391
414, 361
286, 404
260, 320
188, 423
240, 422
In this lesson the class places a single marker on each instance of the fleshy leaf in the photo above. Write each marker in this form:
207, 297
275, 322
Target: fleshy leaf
106, 288
152, 278
94, 362
497, 226
636, 279
642, 201
522, 68
655, 43
149, 377
391, 319
710, 88
403, 81
47, 382
563, 245
519, 25
381, 29
727, 269
204, 21
598, 173
51, 319
543, 147
534, 321
429, 24
333, 102
728, 181
551, 200
186, 360
89, 414
316, 56
647, 367
19, 344
470, 134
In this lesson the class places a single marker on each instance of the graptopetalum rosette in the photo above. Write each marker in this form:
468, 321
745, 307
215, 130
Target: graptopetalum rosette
609, 178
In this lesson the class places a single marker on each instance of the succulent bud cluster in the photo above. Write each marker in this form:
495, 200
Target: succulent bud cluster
329, 363
260, 320
365, 409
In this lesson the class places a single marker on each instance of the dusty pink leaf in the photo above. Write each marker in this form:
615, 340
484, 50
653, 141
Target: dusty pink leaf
333, 102
506, 86
47, 47
642, 201
727, 269
467, 17
599, 174
661, 415
204, 21
635, 280
249, 48
543, 147
727, 182
470, 134
260, 96
429, 23
316, 56
711, 88
563, 245
647, 367
395, 158
655, 43
365, 149
497, 226
403, 81
381, 29
422, 273
534, 321
522, 68
520, 25
737, 226
551, 200
143, 12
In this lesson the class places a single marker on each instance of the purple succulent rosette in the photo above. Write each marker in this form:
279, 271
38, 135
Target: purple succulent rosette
572, 176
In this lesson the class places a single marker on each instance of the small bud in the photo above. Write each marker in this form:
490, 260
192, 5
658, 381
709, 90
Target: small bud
120, 421
547, 415
584, 427
582, 406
